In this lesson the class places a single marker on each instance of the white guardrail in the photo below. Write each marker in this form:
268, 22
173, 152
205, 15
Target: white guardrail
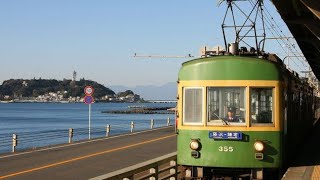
38, 139
164, 167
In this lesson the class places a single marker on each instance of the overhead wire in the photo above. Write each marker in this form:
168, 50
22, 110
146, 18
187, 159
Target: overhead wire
276, 31
288, 43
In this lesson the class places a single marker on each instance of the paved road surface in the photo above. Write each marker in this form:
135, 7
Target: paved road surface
88, 159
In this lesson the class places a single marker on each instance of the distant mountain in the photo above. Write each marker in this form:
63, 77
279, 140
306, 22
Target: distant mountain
150, 92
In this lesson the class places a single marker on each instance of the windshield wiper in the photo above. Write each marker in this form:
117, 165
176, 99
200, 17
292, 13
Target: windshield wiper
225, 122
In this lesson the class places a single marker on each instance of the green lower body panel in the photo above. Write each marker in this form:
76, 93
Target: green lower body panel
230, 153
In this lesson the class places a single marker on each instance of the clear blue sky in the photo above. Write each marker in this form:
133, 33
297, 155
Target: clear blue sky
97, 38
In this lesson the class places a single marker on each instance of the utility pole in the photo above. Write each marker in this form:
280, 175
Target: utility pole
161, 56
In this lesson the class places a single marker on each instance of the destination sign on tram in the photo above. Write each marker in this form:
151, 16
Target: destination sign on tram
225, 135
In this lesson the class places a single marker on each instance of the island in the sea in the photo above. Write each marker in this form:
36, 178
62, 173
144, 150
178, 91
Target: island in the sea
51, 90
143, 110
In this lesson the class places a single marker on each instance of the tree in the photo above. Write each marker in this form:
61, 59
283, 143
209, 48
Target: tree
125, 93
36, 87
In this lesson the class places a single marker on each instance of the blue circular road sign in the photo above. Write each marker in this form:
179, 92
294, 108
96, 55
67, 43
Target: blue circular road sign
88, 99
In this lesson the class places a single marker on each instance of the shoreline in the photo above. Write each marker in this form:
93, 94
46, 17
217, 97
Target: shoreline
66, 102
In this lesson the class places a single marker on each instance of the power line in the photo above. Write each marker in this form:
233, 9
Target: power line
275, 30
161, 56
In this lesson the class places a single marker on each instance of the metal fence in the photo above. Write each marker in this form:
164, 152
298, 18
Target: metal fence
34, 140
164, 167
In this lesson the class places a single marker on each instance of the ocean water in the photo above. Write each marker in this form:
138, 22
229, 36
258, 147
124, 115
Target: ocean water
42, 124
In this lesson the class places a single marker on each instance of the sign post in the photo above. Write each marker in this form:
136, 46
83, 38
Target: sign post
88, 99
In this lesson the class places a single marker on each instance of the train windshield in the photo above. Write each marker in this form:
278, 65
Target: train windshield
226, 105
261, 105
193, 105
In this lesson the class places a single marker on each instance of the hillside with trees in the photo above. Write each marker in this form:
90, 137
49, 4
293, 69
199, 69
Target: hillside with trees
19, 88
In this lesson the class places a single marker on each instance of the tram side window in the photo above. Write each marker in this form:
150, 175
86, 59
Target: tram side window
193, 105
226, 104
261, 105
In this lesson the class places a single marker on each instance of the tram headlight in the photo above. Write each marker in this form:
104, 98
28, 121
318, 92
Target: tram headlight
194, 145
258, 146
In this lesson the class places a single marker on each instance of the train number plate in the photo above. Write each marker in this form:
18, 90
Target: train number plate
225, 135
225, 148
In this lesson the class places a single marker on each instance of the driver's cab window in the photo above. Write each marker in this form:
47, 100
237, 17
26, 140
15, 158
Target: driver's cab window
192, 105
226, 105
261, 100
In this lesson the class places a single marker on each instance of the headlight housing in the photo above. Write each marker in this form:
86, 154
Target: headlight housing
194, 145
258, 146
